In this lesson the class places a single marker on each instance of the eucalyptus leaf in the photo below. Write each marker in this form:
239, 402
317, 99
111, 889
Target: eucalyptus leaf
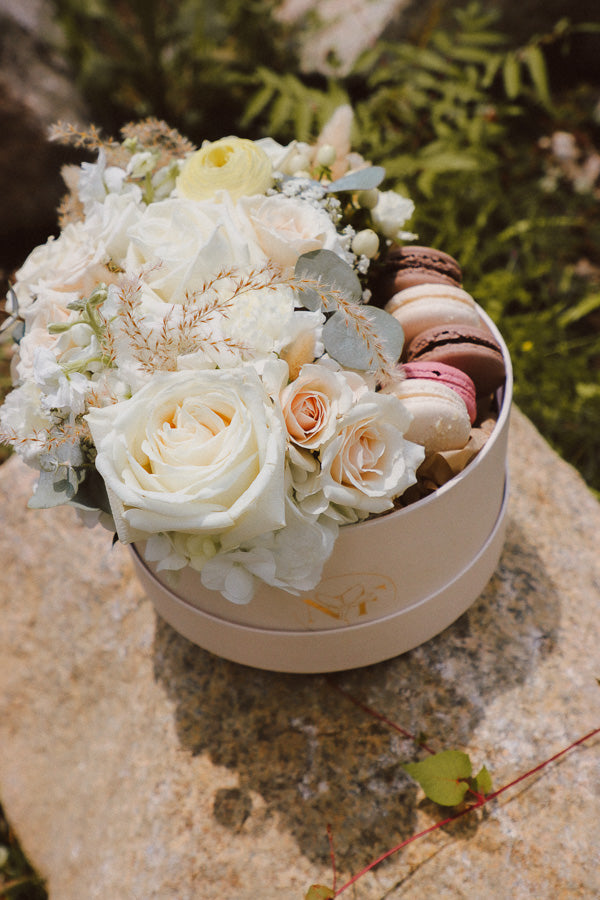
443, 776
346, 344
51, 491
326, 268
361, 180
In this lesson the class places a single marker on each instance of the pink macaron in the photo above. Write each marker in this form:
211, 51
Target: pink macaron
448, 375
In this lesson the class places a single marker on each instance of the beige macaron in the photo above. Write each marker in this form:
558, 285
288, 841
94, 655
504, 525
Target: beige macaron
440, 419
425, 305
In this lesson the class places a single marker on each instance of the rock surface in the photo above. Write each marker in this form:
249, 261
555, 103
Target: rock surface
136, 765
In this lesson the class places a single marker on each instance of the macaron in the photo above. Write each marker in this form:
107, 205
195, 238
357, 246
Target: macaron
408, 266
425, 305
473, 350
448, 375
440, 420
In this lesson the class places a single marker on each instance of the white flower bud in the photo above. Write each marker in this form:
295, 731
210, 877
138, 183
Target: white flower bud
365, 243
326, 156
296, 163
368, 199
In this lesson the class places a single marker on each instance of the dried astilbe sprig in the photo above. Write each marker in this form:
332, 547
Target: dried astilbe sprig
85, 139
154, 134
356, 317
185, 327
59, 434
150, 134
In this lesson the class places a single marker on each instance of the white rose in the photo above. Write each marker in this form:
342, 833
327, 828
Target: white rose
181, 244
287, 227
369, 462
390, 214
108, 223
70, 264
198, 452
312, 403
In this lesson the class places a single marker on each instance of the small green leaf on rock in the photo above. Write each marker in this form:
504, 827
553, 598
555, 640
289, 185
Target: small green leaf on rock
443, 776
319, 892
483, 782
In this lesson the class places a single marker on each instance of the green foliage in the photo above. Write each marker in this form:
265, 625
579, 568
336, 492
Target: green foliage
189, 62
446, 777
457, 123
292, 108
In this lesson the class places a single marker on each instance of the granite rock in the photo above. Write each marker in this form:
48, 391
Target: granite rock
136, 765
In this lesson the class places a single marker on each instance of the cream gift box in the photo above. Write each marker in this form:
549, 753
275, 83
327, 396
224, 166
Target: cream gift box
391, 583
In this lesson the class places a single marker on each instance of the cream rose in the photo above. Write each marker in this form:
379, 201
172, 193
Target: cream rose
312, 403
285, 228
368, 462
196, 452
232, 164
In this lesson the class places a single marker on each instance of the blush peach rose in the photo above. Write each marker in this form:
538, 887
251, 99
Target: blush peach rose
312, 404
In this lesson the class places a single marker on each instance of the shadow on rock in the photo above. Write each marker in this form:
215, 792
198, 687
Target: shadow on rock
315, 757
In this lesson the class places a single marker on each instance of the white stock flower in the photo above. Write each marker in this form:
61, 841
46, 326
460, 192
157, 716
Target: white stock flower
198, 452
24, 421
97, 181
59, 390
390, 214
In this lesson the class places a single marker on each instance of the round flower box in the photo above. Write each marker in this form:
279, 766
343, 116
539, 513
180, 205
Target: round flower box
391, 583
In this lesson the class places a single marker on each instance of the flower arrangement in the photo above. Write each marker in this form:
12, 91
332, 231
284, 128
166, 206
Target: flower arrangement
198, 365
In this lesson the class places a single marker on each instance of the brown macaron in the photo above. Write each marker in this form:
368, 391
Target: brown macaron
469, 348
408, 266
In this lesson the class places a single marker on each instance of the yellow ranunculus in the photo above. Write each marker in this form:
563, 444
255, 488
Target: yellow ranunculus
232, 164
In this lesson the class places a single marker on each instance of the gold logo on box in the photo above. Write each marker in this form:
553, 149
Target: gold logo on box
349, 597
